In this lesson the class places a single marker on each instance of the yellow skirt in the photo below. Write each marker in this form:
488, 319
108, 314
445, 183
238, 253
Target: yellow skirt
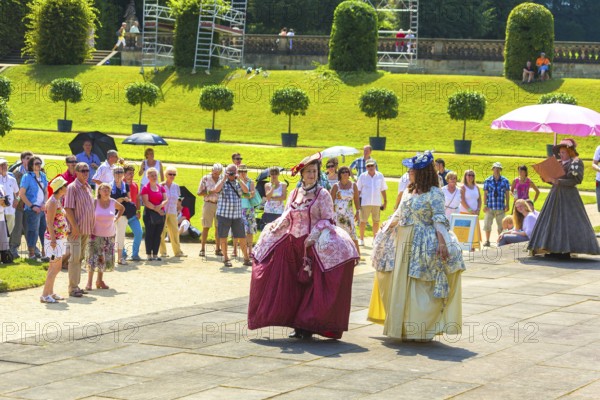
406, 307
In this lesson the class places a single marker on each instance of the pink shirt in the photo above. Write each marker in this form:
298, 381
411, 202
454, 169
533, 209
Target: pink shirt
154, 197
104, 225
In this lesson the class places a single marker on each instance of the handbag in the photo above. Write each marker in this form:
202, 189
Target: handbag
154, 217
256, 200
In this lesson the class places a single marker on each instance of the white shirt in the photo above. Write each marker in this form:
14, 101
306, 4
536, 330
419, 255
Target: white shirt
452, 201
597, 158
529, 223
471, 197
370, 188
104, 174
173, 194
11, 188
403, 184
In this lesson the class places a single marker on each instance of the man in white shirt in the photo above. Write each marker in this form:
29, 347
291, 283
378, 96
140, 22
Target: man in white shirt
104, 174
11, 189
372, 190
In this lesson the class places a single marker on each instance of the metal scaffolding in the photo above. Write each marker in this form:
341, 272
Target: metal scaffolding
156, 17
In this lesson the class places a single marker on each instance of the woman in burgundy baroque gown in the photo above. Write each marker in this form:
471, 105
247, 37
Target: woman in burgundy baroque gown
303, 264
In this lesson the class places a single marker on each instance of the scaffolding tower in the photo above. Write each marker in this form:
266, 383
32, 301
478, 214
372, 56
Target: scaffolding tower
228, 23
156, 18
404, 52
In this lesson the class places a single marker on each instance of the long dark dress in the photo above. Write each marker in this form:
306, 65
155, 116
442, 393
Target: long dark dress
277, 296
563, 225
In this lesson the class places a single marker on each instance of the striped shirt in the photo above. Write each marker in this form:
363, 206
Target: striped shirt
79, 197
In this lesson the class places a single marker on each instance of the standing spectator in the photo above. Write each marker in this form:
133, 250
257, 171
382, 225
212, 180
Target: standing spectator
11, 189
372, 187
120, 192
345, 196
102, 242
229, 212
20, 225
104, 174
236, 159
248, 214
290, 35
209, 209
173, 193
79, 205
520, 186
69, 175
452, 196
360, 163
332, 171
33, 192
275, 193
154, 197
91, 159
150, 162
543, 65
496, 189
400, 43
402, 185
4, 204
134, 222
440, 166
596, 167
470, 203
56, 237
183, 218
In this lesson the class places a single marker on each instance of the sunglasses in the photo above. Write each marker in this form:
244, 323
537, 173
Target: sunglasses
172, 174
470, 174
370, 166
37, 163
330, 166
238, 159
119, 172
71, 162
344, 172
84, 171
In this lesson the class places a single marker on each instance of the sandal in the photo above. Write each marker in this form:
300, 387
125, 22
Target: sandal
47, 299
228, 263
123, 262
88, 287
202, 253
218, 253
247, 263
101, 285
57, 297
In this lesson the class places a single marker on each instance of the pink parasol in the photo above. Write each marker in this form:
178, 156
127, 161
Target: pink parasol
554, 118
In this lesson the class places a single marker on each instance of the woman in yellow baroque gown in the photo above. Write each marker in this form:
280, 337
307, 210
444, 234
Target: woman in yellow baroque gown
417, 287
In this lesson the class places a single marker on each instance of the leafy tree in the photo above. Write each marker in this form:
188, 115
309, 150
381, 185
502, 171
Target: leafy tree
380, 103
142, 93
5, 88
289, 101
465, 105
6, 123
216, 98
454, 18
66, 90
353, 41
58, 31
562, 98
529, 31
12, 30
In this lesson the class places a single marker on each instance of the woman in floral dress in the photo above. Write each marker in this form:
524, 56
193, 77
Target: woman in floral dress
248, 214
417, 290
345, 199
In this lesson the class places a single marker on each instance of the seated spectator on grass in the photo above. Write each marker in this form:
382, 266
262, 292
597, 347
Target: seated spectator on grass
183, 218
528, 73
524, 221
543, 65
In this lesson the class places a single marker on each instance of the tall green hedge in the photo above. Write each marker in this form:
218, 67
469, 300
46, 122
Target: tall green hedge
58, 31
529, 31
12, 30
353, 42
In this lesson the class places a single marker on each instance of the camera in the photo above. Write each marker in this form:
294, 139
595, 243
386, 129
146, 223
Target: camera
231, 173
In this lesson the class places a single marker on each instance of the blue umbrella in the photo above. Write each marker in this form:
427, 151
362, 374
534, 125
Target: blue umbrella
145, 139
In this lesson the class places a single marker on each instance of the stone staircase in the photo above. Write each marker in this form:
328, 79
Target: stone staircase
15, 58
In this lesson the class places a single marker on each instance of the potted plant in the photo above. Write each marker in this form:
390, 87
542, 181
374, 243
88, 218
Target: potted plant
66, 90
562, 98
141, 93
5, 88
6, 123
382, 104
289, 101
215, 98
463, 106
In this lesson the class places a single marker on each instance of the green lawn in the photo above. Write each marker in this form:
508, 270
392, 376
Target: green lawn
332, 119
23, 274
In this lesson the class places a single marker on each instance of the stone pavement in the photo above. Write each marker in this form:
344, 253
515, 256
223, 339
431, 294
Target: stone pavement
177, 330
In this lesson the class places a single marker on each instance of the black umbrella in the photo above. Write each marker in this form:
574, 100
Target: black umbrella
101, 143
145, 139
189, 200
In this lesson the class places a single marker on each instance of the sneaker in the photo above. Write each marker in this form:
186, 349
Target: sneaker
157, 259
135, 258
181, 255
164, 255
45, 259
486, 244
361, 242
34, 258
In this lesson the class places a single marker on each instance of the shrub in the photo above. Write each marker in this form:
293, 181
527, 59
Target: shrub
380, 103
66, 90
216, 98
353, 43
142, 93
12, 30
6, 123
562, 98
5, 88
289, 101
529, 31
58, 31
465, 105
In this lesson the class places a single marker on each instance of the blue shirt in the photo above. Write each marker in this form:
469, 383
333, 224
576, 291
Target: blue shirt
89, 160
32, 186
359, 165
496, 192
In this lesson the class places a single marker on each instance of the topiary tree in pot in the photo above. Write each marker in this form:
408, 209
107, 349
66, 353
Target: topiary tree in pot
463, 106
289, 101
141, 93
5, 88
6, 123
215, 98
65, 90
382, 104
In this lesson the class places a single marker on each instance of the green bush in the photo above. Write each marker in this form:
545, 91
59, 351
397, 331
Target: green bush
562, 98
353, 42
289, 101
58, 31
6, 123
5, 88
465, 105
380, 103
142, 93
529, 31
216, 98
66, 90
12, 30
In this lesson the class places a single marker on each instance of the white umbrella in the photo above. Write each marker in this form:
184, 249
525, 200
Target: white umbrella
337, 151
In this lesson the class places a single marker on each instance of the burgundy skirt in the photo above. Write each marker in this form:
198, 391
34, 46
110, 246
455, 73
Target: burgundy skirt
278, 298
